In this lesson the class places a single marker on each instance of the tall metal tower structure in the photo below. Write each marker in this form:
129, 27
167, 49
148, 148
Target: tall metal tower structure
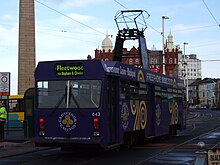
26, 48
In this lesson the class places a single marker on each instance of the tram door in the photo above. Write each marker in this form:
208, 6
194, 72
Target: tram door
112, 106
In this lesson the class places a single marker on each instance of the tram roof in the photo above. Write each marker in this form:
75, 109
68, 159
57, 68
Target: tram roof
99, 68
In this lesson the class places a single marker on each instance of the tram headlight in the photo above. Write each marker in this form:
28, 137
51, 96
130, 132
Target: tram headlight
42, 133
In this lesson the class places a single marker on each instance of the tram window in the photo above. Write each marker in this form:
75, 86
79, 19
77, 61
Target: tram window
142, 94
42, 88
157, 88
174, 90
82, 94
124, 90
158, 96
134, 91
85, 94
143, 91
75, 90
164, 96
142, 85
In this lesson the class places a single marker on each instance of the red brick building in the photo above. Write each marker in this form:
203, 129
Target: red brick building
171, 58
132, 56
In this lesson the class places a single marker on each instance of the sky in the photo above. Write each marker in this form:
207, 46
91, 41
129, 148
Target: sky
68, 30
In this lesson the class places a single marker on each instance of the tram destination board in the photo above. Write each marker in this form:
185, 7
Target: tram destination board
70, 69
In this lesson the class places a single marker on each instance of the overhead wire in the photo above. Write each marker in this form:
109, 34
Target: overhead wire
69, 17
211, 13
68, 37
125, 8
210, 60
184, 29
120, 4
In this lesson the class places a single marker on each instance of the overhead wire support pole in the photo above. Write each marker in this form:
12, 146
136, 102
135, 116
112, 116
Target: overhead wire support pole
186, 72
163, 47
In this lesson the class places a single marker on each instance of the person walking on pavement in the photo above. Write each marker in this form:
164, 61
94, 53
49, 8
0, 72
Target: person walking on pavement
3, 118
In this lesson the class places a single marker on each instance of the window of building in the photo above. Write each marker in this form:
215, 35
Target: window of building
130, 61
171, 61
137, 61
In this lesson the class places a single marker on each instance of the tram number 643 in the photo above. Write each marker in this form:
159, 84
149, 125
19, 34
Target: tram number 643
96, 114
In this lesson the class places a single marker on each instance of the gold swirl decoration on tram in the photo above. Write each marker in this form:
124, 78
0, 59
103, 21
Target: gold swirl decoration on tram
174, 83
139, 110
174, 111
141, 76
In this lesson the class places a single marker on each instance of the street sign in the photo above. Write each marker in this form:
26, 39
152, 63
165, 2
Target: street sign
214, 157
4, 83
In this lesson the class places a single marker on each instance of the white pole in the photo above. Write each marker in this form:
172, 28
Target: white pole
186, 72
68, 94
163, 53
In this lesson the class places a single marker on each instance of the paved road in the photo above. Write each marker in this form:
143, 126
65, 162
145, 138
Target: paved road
164, 150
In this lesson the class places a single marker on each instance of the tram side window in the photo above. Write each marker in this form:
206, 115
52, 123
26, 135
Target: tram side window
164, 94
134, 90
169, 94
158, 94
124, 90
143, 91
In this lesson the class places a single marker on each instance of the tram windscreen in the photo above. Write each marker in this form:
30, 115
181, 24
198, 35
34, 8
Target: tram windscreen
69, 94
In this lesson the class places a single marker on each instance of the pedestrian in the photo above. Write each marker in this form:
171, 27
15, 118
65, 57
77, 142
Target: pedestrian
3, 118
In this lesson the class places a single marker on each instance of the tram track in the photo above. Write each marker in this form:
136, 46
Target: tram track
179, 149
190, 145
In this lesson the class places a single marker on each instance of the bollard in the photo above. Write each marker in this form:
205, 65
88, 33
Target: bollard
26, 129
201, 154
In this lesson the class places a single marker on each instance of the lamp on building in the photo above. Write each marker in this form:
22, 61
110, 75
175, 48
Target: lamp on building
186, 81
163, 47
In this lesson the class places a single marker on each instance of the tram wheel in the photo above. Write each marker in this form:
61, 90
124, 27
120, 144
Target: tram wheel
129, 139
173, 130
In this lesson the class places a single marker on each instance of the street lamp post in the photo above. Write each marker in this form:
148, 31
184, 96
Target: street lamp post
163, 54
186, 81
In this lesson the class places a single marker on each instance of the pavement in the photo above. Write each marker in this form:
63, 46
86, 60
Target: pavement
16, 143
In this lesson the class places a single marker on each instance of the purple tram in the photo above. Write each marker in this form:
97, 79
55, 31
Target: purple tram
104, 103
